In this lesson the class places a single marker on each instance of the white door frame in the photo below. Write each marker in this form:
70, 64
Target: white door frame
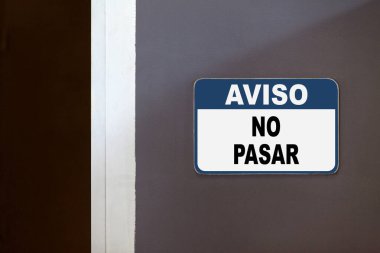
113, 167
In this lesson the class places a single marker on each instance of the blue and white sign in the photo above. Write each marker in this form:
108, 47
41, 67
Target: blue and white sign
244, 126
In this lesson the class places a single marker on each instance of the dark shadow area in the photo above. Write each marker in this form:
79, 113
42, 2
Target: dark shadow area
45, 147
180, 211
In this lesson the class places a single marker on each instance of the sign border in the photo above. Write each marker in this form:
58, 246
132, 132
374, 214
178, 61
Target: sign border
195, 137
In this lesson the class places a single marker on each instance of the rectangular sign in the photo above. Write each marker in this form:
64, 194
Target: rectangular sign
245, 126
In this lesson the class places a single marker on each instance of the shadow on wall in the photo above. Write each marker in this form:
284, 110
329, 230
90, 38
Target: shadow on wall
345, 48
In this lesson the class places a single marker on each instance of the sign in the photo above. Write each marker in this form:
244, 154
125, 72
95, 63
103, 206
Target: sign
244, 126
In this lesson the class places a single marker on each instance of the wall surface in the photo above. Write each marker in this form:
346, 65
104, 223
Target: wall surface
179, 41
45, 126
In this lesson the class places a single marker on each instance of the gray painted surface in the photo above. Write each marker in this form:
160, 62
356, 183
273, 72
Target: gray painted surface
181, 41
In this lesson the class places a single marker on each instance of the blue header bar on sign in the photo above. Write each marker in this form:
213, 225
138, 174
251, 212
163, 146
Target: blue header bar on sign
277, 93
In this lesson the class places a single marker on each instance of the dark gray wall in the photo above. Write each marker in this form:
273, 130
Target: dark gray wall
181, 41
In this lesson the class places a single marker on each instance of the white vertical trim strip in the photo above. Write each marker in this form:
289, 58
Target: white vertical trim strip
113, 126
98, 128
120, 125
